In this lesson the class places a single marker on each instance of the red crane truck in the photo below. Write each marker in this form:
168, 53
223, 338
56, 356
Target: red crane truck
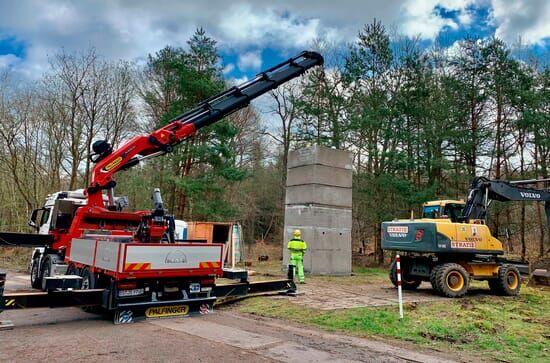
129, 263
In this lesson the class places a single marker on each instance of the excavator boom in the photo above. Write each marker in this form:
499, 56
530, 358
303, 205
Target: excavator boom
483, 190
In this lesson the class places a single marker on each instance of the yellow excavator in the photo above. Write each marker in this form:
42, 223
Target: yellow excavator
451, 244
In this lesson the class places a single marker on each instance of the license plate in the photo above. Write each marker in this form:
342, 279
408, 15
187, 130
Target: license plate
130, 292
159, 311
195, 287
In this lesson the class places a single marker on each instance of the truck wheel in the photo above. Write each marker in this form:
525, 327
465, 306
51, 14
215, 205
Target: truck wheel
452, 280
406, 283
36, 277
72, 270
508, 281
88, 279
46, 271
433, 276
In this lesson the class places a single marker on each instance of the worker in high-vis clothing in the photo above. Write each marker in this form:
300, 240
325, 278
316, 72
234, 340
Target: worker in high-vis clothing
297, 248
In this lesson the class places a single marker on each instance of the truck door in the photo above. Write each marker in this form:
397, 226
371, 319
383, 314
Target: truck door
45, 219
41, 219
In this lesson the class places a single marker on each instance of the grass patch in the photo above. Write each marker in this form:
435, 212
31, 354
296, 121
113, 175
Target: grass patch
509, 329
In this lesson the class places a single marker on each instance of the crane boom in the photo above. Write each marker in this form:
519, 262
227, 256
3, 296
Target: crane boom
483, 190
163, 140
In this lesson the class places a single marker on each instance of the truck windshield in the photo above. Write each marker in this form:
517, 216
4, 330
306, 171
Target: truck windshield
430, 211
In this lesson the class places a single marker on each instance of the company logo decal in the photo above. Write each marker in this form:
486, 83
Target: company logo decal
462, 244
113, 164
530, 195
159, 311
176, 257
398, 231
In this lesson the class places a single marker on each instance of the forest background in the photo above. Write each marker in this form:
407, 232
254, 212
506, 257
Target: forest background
420, 122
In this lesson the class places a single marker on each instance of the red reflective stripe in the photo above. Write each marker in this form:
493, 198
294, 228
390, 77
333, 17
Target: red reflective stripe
398, 269
209, 264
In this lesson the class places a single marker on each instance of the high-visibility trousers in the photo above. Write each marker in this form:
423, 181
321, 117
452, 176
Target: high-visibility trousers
296, 260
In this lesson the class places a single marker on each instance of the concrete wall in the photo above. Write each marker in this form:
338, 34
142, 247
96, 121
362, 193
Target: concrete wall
318, 203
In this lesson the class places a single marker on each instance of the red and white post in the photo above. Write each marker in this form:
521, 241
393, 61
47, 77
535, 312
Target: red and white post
399, 290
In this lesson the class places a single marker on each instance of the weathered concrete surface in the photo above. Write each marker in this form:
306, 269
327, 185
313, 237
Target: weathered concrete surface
319, 174
320, 155
318, 194
318, 203
309, 215
329, 252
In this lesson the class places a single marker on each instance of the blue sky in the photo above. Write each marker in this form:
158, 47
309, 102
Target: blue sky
252, 35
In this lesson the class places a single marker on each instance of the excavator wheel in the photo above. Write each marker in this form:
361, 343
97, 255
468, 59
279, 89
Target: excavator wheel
433, 276
452, 280
407, 284
508, 281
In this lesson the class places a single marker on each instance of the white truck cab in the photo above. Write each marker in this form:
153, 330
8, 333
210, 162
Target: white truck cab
59, 209
57, 213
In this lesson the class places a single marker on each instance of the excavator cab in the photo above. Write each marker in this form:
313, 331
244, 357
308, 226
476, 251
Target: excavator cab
443, 209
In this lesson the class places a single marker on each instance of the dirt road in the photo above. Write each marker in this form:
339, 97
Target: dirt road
70, 334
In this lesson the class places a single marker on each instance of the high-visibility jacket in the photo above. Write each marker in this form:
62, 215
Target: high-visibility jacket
297, 247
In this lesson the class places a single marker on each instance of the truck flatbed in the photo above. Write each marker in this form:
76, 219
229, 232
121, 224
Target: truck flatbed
135, 311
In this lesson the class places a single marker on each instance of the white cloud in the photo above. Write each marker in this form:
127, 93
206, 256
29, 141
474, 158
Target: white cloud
245, 25
250, 61
466, 17
228, 68
525, 19
421, 18
237, 81
132, 29
8, 60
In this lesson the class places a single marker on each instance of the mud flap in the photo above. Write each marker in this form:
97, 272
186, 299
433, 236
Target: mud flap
170, 309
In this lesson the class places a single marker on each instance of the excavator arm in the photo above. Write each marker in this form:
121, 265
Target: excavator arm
483, 191
163, 140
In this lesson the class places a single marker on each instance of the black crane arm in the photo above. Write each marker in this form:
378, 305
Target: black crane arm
235, 98
483, 190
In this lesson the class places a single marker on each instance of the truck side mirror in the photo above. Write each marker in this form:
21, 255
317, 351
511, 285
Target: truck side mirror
32, 220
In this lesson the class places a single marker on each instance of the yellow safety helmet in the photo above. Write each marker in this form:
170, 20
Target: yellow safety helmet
297, 233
